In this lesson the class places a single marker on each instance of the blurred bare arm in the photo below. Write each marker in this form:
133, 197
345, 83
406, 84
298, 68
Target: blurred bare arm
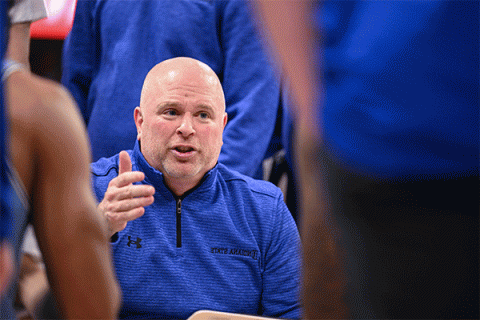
6, 266
291, 32
71, 232
32, 283
22, 14
18, 48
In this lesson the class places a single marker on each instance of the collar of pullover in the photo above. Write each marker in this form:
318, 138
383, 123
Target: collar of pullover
155, 177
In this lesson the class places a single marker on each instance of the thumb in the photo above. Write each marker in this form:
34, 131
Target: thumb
125, 164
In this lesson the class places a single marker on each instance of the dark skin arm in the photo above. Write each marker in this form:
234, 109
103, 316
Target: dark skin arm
19, 43
6, 265
49, 149
292, 35
18, 50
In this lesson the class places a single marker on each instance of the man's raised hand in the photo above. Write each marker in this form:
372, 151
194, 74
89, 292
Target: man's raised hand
123, 200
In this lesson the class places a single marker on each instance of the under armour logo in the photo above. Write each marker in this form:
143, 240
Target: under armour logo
130, 241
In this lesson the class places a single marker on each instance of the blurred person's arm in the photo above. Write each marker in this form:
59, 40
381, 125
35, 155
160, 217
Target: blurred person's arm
19, 43
6, 265
50, 150
22, 14
33, 286
34, 297
290, 29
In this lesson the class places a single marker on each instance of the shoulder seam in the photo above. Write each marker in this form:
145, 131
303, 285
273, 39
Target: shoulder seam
272, 195
106, 173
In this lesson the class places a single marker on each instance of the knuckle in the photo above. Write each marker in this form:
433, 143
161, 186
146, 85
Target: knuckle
109, 195
111, 207
127, 193
110, 216
123, 207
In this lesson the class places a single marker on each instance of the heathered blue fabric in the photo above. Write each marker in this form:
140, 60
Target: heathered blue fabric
240, 249
113, 44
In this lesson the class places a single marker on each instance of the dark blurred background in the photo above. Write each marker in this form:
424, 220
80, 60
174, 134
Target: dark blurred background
47, 36
45, 58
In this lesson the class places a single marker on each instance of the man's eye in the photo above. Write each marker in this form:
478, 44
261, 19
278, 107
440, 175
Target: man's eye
171, 113
203, 115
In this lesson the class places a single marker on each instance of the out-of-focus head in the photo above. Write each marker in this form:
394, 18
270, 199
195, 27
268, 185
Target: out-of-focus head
181, 118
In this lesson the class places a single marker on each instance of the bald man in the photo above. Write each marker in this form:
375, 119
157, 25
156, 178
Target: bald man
188, 233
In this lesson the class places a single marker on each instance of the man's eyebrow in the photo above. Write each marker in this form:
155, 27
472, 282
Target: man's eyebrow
167, 104
206, 107
172, 104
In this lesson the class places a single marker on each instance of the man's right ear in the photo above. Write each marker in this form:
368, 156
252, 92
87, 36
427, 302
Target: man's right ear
138, 117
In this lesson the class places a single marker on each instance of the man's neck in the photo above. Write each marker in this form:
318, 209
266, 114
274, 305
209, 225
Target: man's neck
181, 186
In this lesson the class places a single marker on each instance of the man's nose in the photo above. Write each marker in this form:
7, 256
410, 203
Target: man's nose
186, 126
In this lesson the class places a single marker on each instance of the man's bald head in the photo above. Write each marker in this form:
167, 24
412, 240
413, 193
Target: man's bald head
171, 71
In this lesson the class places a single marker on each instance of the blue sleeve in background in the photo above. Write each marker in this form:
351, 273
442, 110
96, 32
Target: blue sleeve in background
80, 57
5, 216
252, 91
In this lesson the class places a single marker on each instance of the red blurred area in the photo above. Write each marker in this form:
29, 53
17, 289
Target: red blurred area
58, 23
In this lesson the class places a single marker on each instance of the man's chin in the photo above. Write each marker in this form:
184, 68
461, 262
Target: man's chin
181, 172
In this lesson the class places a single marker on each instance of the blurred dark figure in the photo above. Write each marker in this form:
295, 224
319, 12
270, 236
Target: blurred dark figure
386, 131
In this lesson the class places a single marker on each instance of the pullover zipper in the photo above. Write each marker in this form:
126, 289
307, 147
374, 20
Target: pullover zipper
179, 222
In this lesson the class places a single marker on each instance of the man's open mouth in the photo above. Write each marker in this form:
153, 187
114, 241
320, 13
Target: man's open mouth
182, 149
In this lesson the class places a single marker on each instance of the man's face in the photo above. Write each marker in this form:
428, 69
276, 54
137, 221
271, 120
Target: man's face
180, 123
